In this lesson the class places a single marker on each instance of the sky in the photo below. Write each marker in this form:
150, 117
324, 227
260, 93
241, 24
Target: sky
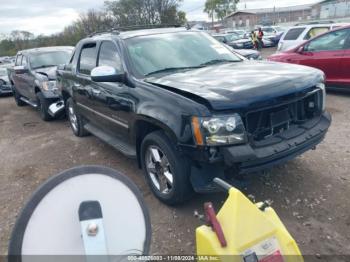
51, 16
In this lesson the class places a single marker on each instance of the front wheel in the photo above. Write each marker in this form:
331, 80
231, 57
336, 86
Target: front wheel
43, 105
75, 120
166, 170
17, 97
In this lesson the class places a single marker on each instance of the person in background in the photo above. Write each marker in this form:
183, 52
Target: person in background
260, 39
254, 38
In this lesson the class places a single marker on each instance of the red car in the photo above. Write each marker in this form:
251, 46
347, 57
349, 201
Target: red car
329, 52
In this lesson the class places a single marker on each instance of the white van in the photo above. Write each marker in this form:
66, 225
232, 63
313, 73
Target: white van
296, 35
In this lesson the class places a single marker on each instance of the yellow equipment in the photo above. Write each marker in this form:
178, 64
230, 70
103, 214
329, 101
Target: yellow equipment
251, 232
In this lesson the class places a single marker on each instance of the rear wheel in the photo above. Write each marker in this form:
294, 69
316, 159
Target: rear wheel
75, 120
17, 97
43, 105
167, 171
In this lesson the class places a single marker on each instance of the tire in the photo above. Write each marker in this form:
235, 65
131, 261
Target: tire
17, 97
75, 120
43, 106
171, 161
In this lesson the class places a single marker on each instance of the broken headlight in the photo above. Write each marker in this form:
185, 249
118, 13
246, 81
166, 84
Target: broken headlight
219, 130
49, 85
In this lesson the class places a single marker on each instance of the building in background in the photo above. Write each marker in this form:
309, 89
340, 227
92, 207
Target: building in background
328, 9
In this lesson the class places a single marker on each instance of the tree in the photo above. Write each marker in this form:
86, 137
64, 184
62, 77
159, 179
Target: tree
220, 8
142, 12
116, 13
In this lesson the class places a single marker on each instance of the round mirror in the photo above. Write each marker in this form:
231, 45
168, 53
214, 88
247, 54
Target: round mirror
84, 211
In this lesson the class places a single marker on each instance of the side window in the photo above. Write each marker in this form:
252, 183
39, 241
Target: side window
294, 33
24, 61
109, 56
87, 60
347, 43
18, 60
332, 41
313, 32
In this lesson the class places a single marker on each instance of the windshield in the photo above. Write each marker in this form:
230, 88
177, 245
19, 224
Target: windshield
159, 52
48, 59
3, 72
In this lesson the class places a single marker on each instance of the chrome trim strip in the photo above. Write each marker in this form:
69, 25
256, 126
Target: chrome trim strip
104, 116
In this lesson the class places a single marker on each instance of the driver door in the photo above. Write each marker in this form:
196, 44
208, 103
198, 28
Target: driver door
345, 64
28, 81
112, 100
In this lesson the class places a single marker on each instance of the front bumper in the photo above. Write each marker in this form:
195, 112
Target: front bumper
51, 94
292, 143
273, 151
56, 108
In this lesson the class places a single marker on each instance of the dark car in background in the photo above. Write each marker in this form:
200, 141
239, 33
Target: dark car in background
33, 79
235, 41
273, 33
5, 85
329, 52
247, 53
203, 112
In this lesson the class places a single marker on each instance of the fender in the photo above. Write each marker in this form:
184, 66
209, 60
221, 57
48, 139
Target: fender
166, 119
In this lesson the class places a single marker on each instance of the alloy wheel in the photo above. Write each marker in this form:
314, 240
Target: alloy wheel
159, 170
73, 118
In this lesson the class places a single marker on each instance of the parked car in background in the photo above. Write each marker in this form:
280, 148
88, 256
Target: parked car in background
33, 79
247, 53
238, 32
329, 52
200, 113
297, 35
5, 85
268, 43
234, 41
273, 33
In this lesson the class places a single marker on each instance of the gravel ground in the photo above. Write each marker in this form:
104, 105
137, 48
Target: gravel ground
311, 193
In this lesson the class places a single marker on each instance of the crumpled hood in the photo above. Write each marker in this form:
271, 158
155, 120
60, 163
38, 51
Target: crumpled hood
49, 72
234, 85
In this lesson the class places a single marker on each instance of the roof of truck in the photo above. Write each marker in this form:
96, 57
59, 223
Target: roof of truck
45, 49
142, 32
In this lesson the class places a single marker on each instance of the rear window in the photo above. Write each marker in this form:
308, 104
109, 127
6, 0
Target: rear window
315, 32
294, 33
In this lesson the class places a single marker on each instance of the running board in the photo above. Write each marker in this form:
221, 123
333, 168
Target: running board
118, 144
25, 100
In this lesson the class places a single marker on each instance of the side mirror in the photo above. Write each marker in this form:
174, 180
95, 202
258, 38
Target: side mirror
106, 74
20, 69
61, 67
301, 49
224, 41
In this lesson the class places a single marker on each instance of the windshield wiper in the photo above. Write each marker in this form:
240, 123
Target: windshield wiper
170, 69
217, 61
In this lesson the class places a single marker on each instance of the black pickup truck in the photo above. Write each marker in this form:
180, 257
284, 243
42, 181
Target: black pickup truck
33, 79
189, 109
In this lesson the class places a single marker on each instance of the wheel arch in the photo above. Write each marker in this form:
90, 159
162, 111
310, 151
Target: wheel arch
145, 126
